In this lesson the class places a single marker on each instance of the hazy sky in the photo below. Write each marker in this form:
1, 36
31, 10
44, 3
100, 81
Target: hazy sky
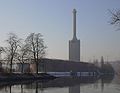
53, 19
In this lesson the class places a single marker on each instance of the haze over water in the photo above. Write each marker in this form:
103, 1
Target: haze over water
66, 85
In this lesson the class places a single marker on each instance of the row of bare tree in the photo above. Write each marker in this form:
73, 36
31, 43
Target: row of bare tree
32, 47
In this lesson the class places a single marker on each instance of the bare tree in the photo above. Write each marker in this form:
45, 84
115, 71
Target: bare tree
23, 56
11, 50
115, 18
36, 46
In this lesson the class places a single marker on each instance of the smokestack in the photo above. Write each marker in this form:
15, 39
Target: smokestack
74, 24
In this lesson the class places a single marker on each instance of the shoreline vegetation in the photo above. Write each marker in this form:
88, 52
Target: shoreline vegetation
9, 79
13, 77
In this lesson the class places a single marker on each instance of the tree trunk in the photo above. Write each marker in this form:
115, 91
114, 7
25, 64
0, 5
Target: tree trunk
22, 67
11, 65
37, 67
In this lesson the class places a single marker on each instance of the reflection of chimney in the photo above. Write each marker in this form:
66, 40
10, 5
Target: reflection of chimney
74, 24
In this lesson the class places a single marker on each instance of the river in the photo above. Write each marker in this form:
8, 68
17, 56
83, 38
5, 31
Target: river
65, 85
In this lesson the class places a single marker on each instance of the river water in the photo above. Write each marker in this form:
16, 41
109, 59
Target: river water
65, 85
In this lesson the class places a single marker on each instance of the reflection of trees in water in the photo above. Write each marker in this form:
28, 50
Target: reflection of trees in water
10, 89
116, 79
37, 88
25, 88
72, 82
107, 78
22, 91
104, 80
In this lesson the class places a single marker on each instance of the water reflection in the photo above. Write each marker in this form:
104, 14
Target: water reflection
103, 80
74, 89
64, 85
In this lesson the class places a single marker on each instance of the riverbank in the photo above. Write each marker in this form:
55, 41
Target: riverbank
25, 76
